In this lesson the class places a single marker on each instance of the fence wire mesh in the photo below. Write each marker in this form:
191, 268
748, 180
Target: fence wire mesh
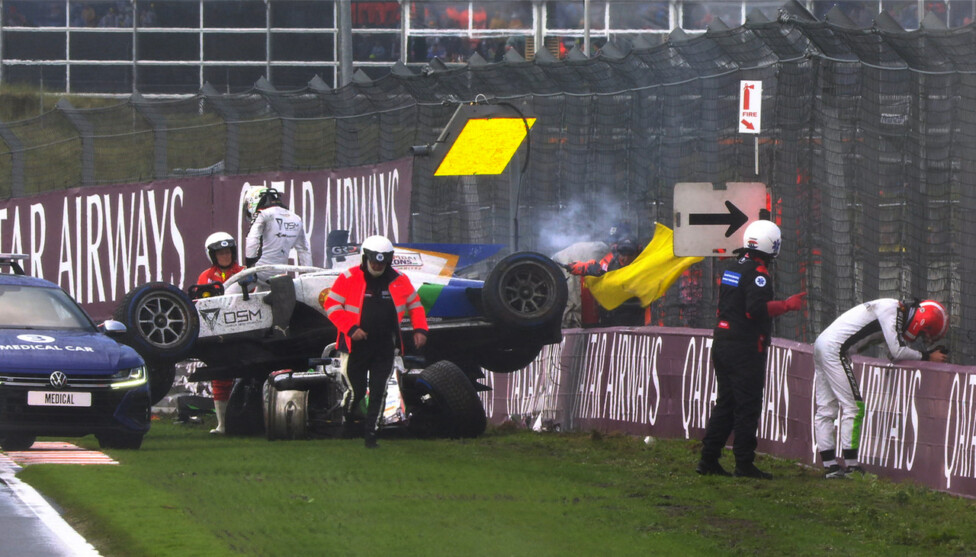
868, 149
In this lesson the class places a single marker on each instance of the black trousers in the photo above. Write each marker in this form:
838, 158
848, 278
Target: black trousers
372, 364
740, 371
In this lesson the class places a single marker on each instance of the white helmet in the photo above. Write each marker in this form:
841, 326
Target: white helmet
377, 249
218, 241
259, 197
764, 236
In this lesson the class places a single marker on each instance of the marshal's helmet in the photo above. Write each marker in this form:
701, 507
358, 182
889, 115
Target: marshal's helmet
218, 241
763, 236
927, 319
618, 231
627, 245
377, 249
260, 197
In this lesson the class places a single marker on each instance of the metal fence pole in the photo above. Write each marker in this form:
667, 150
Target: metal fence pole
17, 160
287, 113
232, 155
160, 137
86, 131
344, 29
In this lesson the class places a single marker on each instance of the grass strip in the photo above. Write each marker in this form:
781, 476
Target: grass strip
506, 493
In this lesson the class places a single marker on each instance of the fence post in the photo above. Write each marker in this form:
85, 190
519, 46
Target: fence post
86, 131
160, 140
286, 112
232, 156
17, 160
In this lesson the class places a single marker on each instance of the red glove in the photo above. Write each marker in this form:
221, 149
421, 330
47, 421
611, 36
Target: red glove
796, 301
775, 308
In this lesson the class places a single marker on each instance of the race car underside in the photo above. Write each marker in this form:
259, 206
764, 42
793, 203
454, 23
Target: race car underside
470, 345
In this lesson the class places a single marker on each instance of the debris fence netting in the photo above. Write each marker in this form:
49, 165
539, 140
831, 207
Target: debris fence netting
867, 146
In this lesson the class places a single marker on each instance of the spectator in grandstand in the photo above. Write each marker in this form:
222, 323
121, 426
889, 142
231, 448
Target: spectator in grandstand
746, 309
88, 17
54, 16
895, 323
110, 19
498, 20
516, 43
367, 304
222, 251
125, 14
147, 16
436, 50
15, 18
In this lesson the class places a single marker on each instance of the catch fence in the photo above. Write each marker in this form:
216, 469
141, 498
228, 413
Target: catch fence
868, 149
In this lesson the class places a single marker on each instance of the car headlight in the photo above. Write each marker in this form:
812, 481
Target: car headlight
128, 378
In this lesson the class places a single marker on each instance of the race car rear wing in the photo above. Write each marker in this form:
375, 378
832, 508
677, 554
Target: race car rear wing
12, 261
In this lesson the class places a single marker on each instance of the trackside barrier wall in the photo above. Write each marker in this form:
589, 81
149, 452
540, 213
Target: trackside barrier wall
99, 242
919, 422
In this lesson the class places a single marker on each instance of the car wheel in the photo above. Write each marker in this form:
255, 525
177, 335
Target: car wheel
120, 440
161, 377
453, 408
285, 413
17, 442
162, 323
525, 289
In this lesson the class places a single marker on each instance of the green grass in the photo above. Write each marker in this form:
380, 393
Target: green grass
507, 493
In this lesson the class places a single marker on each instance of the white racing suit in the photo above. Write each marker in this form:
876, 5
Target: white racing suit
836, 386
274, 233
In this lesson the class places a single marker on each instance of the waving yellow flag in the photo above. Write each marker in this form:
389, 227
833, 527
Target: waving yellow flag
648, 277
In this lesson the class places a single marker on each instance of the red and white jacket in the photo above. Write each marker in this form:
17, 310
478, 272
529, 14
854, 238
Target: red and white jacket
344, 304
216, 274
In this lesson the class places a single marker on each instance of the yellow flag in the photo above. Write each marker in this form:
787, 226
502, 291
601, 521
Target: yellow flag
647, 278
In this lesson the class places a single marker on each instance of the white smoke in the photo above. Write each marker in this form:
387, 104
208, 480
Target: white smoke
579, 221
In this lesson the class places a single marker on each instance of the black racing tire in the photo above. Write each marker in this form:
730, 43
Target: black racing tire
162, 323
161, 377
120, 440
454, 407
525, 289
17, 441
507, 360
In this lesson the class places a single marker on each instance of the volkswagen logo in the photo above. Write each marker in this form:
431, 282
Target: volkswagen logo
58, 379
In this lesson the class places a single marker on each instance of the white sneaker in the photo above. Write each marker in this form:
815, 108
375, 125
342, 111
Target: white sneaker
835, 472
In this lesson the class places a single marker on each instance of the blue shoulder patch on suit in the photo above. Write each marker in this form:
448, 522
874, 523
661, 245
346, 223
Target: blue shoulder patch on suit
731, 278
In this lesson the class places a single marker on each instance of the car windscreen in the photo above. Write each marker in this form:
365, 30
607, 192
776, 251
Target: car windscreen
32, 307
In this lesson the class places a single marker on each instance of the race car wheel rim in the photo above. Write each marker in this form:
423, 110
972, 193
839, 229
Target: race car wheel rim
162, 320
528, 290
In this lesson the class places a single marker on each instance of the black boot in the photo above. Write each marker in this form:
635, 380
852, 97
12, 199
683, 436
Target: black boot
749, 470
711, 468
371, 441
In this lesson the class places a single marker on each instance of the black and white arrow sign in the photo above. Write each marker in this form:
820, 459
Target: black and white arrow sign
734, 219
710, 219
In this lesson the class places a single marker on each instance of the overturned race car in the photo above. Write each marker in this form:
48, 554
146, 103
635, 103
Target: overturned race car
499, 324
435, 401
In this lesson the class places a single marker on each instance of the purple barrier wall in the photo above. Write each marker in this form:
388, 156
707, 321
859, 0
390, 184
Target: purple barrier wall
919, 421
99, 242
